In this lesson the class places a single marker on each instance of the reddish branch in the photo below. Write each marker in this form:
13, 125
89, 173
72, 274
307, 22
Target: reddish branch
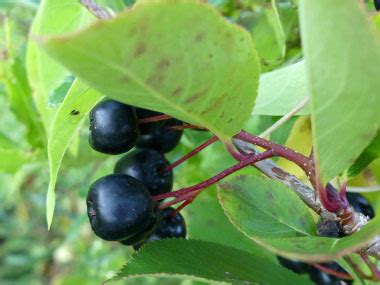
192, 153
183, 193
333, 272
154, 119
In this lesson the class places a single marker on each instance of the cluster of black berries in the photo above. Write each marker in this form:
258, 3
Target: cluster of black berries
120, 205
319, 277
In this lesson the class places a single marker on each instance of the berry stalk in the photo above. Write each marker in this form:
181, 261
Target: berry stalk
180, 193
192, 153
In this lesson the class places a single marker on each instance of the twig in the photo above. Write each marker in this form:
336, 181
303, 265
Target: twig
307, 194
154, 119
285, 118
180, 194
95, 9
192, 153
363, 189
333, 272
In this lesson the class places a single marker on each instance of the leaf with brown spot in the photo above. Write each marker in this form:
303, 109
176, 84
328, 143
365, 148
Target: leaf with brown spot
272, 215
161, 67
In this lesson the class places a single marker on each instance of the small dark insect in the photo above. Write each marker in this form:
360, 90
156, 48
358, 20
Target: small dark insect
74, 113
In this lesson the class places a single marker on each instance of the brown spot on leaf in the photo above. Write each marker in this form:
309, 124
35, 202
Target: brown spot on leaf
155, 80
200, 36
195, 97
163, 63
269, 195
213, 106
140, 49
177, 91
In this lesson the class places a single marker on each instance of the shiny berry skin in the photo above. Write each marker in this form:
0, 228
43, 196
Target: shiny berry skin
113, 127
322, 278
146, 128
294, 265
168, 227
147, 166
143, 234
162, 139
360, 204
118, 207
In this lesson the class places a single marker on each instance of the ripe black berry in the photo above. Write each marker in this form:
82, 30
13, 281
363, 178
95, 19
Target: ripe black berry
147, 166
169, 227
377, 5
294, 265
360, 204
322, 278
163, 138
146, 128
119, 206
113, 127
143, 234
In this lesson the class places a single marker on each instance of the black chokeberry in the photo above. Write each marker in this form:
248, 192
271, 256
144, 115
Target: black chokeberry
360, 204
119, 207
320, 277
146, 128
143, 234
147, 166
163, 138
113, 127
377, 5
294, 265
169, 227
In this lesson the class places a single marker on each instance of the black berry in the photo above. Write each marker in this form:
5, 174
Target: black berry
320, 277
113, 127
119, 207
147, 166
169, 227
377, 5
146, 128
163, 138
143, 234
360, 204
294, 265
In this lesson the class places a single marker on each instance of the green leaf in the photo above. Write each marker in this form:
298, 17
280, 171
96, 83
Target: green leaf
267, 32
56, 97
342, 55
270, 215
269, 210
67, 121
206, 261
12, 159
371, 153
45, 75
20, 100
281, 90
194, 65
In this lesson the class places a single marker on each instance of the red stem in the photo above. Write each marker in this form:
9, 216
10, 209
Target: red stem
356, 268
192, 153
305, 163
187, 126
332, 272
154, 119
189, 190
375, 272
